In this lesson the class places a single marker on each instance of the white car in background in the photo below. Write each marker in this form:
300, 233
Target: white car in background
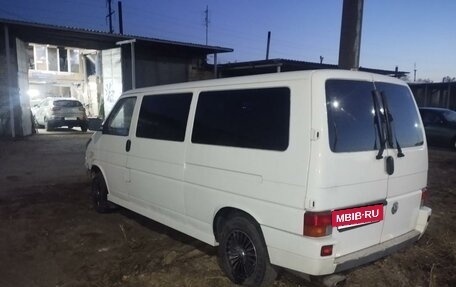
52, 113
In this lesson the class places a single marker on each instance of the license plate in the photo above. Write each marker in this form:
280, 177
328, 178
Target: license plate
346, 218
71, 119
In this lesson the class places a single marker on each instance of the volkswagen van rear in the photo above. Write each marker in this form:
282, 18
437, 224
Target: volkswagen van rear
368, 167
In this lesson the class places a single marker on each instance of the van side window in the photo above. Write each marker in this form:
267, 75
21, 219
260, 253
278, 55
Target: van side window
164, 117
351, 116
118, 122
250, 118
405, 120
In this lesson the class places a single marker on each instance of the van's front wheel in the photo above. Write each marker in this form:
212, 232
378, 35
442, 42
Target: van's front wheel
243, 254
100, 193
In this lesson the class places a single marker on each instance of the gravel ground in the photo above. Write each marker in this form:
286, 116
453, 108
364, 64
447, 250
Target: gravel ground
51, 236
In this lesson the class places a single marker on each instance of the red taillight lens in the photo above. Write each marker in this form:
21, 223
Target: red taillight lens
424, 196
326, 250
317, 224
54, 109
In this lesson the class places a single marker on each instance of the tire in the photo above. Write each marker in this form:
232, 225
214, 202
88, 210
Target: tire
84, 128
100, 194
47, 126
243, 255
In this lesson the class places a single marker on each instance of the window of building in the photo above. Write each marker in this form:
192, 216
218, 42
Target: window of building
63, 59
74, 60
52, 59
251, 118
40, 58
58, 59
164, 117
31, 57
119, 120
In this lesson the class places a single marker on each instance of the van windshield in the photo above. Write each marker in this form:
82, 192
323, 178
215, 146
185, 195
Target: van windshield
352, 117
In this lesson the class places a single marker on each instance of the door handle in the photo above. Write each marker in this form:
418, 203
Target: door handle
128, 146
389, 165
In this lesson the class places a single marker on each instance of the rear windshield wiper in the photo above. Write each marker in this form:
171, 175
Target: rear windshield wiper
390, 128
378, 122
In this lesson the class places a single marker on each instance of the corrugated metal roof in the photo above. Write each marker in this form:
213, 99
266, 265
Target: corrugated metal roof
288, 64
115, 37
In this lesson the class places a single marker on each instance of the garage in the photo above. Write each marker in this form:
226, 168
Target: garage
40, 61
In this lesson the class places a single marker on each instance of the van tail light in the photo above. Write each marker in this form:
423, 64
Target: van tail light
54, 109
317, 224
424, 196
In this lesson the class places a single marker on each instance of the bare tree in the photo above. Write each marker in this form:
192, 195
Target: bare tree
448, 79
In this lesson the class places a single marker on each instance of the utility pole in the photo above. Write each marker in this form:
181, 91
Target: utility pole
206, 22
267, 45
350, 34
119, 12
414, 72
109, 16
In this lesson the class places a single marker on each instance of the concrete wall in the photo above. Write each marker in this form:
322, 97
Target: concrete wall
158, 67
9, 91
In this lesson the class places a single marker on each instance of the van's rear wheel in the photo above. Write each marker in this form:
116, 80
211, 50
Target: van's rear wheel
100, 193
243, 254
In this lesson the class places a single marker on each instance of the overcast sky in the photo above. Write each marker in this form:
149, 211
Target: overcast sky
395, 33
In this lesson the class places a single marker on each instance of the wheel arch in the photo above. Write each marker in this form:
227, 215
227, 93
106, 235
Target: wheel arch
97, 169
227, 212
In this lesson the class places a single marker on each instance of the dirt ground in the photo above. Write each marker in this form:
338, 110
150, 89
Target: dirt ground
50, 235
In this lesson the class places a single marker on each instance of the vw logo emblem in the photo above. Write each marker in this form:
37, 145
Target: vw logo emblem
395, 207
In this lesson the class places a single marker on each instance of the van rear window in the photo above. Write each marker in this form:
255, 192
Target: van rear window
351, 115
350, 109
253, 118
405, 120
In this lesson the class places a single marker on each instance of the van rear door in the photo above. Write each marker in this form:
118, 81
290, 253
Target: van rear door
409, 154
352, 171
354, 163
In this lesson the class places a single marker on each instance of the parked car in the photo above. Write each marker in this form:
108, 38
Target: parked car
52, 113
303, 170
440, 126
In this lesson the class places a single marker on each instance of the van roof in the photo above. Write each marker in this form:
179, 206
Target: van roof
273, 77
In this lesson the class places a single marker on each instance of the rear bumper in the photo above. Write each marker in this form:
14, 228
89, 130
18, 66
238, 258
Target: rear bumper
302, 254
375, 252
58, 122
385, 248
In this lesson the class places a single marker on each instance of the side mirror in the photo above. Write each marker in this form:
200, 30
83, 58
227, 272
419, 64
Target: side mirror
95, 124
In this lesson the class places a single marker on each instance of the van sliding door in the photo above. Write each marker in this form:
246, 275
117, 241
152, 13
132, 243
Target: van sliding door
156, 158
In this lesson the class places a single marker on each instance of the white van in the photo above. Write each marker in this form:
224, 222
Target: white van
313, 171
